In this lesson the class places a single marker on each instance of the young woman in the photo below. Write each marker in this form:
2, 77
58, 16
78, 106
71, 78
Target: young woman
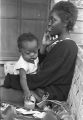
57, 56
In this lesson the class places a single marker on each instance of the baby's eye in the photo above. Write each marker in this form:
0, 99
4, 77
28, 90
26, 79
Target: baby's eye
34, 52
27, 53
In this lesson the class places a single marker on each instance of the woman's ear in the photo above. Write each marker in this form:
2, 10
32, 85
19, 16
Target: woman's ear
66, 22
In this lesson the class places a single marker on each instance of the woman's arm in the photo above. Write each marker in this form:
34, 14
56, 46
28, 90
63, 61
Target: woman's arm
46, 41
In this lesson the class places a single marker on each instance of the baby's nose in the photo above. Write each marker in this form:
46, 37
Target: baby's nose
31, 54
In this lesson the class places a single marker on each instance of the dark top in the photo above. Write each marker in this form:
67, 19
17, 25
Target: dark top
56, 71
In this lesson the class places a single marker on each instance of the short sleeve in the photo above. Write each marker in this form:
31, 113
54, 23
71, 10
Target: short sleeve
21, 64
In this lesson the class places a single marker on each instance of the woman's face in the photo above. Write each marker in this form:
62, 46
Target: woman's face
55, 25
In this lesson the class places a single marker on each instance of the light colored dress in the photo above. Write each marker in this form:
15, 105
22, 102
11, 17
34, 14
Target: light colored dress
13, 67
30, 68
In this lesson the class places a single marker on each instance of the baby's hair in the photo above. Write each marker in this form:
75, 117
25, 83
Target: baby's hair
67, 11
26, 37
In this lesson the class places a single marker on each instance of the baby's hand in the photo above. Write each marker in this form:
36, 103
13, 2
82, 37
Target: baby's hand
30, 104
38, 99
27, 95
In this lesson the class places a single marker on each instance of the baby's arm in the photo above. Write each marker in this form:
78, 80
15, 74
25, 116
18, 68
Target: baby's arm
23, 83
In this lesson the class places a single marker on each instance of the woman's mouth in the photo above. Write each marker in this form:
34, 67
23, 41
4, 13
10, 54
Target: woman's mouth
49, 29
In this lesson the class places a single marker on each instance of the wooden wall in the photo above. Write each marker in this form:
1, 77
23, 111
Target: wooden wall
78, 29
77, 34
16, 17
19, 16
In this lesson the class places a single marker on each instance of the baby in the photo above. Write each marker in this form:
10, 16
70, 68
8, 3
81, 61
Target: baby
28, 61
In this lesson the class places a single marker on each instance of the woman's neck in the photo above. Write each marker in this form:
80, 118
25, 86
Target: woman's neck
64, 36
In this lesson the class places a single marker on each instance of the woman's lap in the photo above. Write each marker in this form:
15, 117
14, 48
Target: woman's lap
11, 96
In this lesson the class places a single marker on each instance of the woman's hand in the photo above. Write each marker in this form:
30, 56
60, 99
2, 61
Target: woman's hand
48, 40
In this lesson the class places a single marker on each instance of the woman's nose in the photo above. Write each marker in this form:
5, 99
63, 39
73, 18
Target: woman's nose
49, 26
49, 23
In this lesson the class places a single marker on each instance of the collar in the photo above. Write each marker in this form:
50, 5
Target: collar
53, 44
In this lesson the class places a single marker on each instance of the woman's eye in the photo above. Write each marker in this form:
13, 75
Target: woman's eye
52, 20
27, 53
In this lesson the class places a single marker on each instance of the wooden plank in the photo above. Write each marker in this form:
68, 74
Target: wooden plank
78, 28
78, 3
9, 8
80, 14
34, 9
78, 38
36, 1
9, 34
37, 27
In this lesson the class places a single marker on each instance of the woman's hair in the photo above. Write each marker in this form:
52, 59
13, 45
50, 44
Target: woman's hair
26, 37
67, 11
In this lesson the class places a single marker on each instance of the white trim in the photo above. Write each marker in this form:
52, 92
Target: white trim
3, 62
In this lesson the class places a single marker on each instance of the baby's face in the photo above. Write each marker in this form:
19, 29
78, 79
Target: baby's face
29, 50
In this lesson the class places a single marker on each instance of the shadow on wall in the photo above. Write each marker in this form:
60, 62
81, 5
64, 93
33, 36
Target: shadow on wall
75, 98
2, 74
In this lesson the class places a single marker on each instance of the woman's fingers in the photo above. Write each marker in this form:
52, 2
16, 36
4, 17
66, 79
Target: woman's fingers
48, 40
